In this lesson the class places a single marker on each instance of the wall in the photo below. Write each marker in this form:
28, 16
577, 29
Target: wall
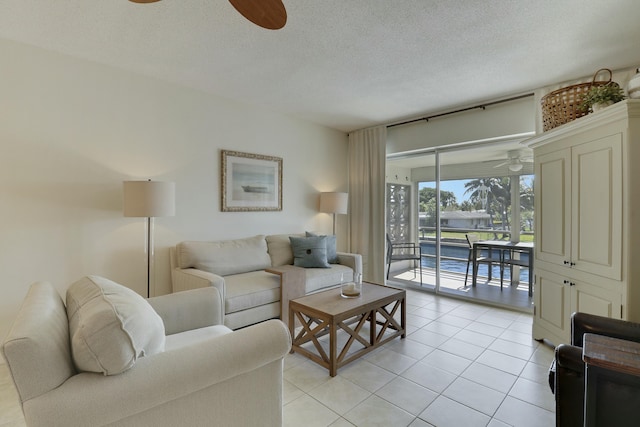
509, 118
71, 131
495, 121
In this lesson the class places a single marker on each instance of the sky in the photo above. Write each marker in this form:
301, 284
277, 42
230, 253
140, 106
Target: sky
456, 187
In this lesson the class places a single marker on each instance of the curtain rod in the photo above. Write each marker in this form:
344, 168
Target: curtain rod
483, 106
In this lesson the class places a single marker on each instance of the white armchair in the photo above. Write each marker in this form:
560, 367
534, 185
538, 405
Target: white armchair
207, 374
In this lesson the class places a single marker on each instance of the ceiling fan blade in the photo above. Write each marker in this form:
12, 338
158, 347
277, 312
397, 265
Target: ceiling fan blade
269, 14
502, 164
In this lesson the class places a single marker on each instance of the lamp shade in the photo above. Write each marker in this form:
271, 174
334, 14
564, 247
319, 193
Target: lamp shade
149, 198
335, 203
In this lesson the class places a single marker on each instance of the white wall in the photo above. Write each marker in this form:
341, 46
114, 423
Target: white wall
509, 118
495, 121
71, 131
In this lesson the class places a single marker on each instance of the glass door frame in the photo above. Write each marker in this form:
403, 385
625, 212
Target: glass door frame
437, 153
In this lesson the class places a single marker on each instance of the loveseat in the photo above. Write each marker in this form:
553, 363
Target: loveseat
238, 269
109, 357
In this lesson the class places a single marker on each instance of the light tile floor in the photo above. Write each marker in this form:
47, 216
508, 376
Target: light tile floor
462, 364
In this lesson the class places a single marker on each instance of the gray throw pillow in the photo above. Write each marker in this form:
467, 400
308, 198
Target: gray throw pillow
332, 253
309, 252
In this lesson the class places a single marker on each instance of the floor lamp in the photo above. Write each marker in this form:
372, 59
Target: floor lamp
334, 203
149, 199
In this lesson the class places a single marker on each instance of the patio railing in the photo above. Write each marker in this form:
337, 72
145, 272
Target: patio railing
455, 249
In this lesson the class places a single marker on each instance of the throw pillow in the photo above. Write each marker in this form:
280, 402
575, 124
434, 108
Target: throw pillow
279, 247
310, 252
225, 257
110, 326
332, 253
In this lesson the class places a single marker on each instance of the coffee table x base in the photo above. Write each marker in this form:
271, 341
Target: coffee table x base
327, 313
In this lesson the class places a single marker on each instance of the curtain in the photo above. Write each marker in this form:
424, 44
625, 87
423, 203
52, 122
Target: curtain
366, 229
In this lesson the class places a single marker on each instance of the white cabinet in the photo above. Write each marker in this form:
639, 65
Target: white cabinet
552, 196
586, 195
579, 196
556, 296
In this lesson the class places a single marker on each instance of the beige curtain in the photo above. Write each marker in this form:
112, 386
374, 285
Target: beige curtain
367, 200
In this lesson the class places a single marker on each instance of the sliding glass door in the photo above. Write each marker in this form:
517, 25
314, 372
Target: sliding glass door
458, 194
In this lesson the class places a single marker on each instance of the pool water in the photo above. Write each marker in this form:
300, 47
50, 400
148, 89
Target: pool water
456, 266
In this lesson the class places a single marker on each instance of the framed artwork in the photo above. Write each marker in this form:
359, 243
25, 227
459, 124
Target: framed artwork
251, 182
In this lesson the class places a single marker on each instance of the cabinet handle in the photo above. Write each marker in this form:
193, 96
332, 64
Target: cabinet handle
566, 262
567, 282
569, 263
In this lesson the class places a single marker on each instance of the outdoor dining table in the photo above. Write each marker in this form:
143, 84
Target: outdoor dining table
505, 248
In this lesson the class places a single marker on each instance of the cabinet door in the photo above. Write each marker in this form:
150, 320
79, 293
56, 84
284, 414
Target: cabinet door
596, 219
553, 306
553, 206
591, 299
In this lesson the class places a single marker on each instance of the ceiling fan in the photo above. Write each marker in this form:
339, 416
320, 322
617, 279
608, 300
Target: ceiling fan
269, 14
516, 160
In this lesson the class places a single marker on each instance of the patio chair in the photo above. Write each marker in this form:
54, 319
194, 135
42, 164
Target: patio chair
403, 251
471, 239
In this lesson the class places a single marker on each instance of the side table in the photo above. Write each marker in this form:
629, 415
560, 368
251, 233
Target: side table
292, 286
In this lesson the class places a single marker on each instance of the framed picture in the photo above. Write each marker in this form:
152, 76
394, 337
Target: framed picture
251, 182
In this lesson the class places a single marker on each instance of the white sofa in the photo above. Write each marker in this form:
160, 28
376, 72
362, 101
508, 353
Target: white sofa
237, 268
206, 374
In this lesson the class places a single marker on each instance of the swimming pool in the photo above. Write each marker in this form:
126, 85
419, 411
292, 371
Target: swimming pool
448, 251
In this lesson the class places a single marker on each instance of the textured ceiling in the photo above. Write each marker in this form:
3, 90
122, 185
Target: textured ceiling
346, 64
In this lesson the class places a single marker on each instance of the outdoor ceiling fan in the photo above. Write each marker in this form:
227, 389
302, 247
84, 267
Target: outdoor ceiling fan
515, 161
269, 14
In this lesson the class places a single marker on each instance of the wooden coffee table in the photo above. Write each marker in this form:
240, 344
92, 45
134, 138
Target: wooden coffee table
327, 312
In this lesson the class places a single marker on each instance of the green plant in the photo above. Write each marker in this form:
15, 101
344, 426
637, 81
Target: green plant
603, 93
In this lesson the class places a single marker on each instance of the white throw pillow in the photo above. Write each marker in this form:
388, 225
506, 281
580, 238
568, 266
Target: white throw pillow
225, 257
110, 326
280, 249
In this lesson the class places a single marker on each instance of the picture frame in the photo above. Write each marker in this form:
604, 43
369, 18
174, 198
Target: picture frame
250, 182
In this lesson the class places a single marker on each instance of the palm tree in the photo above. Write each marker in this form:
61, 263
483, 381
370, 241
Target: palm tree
526, 194
498, 196
526, 202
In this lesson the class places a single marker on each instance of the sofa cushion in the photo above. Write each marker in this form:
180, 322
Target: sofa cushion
309, 252
279, 247
332, 252
317, 279
250, 290
110, 326
225, 257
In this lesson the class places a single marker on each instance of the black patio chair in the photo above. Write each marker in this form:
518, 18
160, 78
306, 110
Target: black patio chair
489, 260
403, 251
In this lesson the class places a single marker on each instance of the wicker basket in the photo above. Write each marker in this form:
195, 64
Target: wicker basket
563, 105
